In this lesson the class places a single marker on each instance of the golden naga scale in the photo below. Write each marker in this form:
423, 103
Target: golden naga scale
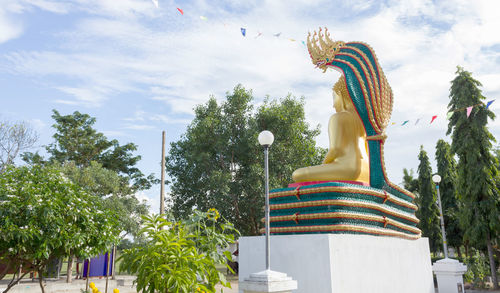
349, 192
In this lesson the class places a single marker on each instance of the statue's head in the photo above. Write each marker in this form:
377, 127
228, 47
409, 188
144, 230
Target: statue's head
368, 88
342, 102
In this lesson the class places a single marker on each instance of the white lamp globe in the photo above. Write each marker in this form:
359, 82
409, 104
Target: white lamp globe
436, 178
266, 138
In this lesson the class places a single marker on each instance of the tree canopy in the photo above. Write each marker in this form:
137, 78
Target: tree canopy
45, 216
477, 166
76, 140
100, 166
218, 162
446, 168
428, 212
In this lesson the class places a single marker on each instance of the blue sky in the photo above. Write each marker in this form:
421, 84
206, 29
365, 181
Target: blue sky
140, 69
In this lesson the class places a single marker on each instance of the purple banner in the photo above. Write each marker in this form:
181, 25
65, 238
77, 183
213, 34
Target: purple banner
98, 266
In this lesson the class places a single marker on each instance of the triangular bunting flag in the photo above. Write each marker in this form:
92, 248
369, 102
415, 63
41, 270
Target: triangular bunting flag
405, 122
469, 110
417, 121
448, 115
277, 35
155, 3
180, 10
489, 103
243, 31
433, 118
203, 17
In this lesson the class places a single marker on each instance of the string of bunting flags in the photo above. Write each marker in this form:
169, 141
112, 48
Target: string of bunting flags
242, 29
468, 111
244, 32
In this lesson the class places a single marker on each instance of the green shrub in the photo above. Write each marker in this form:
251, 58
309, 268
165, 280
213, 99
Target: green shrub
180, 257
477, 268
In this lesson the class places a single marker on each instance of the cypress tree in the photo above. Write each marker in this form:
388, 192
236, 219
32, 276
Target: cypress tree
446, 168
477, 166
428, 212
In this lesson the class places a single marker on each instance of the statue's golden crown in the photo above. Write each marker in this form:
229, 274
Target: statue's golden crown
322, 49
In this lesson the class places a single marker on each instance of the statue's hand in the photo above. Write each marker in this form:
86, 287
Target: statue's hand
330, 157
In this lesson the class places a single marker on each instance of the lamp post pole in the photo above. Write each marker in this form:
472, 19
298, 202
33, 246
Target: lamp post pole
266, 138
268, 242
436, 178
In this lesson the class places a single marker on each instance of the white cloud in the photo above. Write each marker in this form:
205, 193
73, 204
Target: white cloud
9, 28
139, 127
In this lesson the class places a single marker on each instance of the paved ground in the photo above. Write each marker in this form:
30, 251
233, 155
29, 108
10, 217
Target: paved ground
123, 283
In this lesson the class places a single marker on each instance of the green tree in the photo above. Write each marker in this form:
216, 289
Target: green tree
219, 163
428, 212
77, 141
44, 216
112, 189
409, 181
477, 166
100, 166
446, 168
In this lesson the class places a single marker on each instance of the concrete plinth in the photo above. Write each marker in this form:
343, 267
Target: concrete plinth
343, 263
449, 274
268, 281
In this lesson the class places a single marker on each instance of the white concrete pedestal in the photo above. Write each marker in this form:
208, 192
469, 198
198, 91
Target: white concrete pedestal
268, 281
449, 274
343, 263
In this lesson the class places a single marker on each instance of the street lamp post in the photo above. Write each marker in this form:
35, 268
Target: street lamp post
436, 178
266, 139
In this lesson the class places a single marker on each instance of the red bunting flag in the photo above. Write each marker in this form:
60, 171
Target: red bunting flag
433, 118
469, 110
180, 10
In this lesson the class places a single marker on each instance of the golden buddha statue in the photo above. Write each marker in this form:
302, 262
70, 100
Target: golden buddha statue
347, 158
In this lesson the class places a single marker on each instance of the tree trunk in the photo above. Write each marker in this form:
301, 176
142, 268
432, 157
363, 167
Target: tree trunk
5, 270
459, 252
493, 266
69, 274
14, 282
113, 266
40, 280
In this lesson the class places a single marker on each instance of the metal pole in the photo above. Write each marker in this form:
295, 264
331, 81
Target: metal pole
268, 246
162, 185
443, 232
